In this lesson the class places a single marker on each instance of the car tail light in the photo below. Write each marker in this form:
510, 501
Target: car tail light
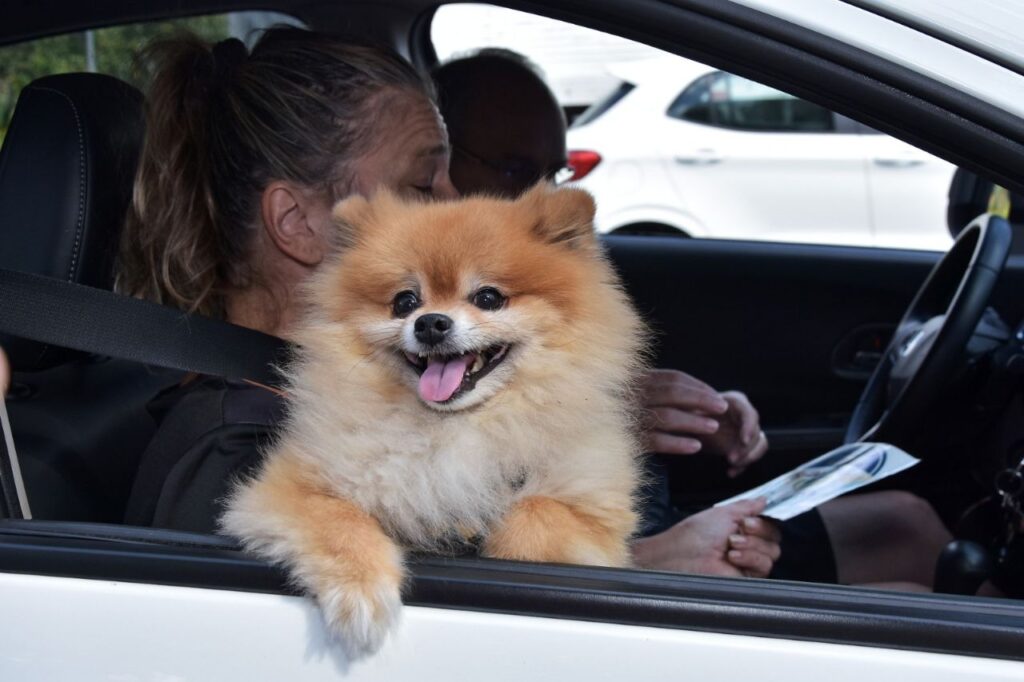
582, 162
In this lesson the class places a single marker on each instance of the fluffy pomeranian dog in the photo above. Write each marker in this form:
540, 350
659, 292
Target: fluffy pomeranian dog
465, 375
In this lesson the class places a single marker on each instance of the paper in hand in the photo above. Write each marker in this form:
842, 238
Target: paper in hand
833, 474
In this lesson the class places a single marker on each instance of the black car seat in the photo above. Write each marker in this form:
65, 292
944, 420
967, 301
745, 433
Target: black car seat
66, 171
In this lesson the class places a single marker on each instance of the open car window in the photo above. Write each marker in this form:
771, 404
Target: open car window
669, 146
112, 50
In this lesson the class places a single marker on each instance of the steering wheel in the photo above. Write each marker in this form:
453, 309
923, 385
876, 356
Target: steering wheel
932, 336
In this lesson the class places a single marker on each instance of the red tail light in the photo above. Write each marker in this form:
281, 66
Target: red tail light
582, 162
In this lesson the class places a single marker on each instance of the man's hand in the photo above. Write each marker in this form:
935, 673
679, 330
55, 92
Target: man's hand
686, 415
739, 437
727, 541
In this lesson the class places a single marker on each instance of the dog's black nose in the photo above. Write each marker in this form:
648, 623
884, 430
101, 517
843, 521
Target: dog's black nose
432, 328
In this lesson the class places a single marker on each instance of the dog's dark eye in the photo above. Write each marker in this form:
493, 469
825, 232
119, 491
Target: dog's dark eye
488, 298
405, 302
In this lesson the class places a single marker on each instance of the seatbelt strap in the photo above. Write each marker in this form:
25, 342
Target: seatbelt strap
98, 321
12, 485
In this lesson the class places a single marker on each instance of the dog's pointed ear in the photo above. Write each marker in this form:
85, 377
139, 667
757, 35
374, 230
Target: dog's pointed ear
356, 214
562, 215
351, 214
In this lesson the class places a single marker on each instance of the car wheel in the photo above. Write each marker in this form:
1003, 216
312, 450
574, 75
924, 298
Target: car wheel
650, 229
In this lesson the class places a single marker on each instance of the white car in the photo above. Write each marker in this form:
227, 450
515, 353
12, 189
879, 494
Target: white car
799, 328
683, 148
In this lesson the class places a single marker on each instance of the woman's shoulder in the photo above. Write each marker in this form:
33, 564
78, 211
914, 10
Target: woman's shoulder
211, 431
207, 402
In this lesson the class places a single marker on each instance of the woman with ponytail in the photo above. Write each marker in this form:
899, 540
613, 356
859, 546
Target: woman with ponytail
244, 156
246, 153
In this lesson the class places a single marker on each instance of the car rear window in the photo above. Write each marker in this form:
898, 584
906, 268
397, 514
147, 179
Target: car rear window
598, 108
113, 50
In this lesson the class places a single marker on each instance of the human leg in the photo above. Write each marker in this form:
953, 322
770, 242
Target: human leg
884, 537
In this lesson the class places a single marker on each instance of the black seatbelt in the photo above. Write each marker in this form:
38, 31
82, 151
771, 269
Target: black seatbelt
69, 315
97, 321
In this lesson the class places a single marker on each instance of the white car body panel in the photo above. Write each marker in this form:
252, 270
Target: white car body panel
101, 630
901, 45
907, 189
857, 189
982, 26
770, 186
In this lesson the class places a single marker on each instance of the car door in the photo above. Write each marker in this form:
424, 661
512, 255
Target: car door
750, 162
86, 602
798, 328
908, 190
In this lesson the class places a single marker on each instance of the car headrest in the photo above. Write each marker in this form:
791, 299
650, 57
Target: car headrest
66, 172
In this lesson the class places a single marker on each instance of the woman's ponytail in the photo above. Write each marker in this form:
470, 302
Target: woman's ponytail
173, 243
223, 124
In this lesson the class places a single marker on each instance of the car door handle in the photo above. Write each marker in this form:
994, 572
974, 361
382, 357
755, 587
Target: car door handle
702, 157
859, 351
898, 163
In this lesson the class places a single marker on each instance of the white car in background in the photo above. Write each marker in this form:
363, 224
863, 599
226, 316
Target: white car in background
680, 147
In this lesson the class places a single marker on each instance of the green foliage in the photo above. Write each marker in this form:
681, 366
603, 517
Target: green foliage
115, 51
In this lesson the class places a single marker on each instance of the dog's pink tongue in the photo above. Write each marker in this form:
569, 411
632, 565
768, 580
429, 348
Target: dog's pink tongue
442, 378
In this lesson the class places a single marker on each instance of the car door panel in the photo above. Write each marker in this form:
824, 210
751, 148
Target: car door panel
780, 322
157, 607
805, 187
763, 317
162, 632
908, 189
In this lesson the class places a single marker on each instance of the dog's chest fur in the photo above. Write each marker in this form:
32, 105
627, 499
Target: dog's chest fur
429, 481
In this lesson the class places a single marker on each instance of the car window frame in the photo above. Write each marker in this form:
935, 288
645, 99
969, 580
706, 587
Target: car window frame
978, 627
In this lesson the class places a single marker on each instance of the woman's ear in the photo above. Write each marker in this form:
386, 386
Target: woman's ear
296, 221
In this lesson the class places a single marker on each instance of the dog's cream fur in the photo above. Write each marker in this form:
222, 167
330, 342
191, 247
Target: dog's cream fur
538, 460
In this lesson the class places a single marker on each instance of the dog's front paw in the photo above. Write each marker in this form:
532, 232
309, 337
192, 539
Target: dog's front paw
541, 528
361, 616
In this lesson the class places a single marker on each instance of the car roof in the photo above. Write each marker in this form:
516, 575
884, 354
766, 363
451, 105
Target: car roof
989, 27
